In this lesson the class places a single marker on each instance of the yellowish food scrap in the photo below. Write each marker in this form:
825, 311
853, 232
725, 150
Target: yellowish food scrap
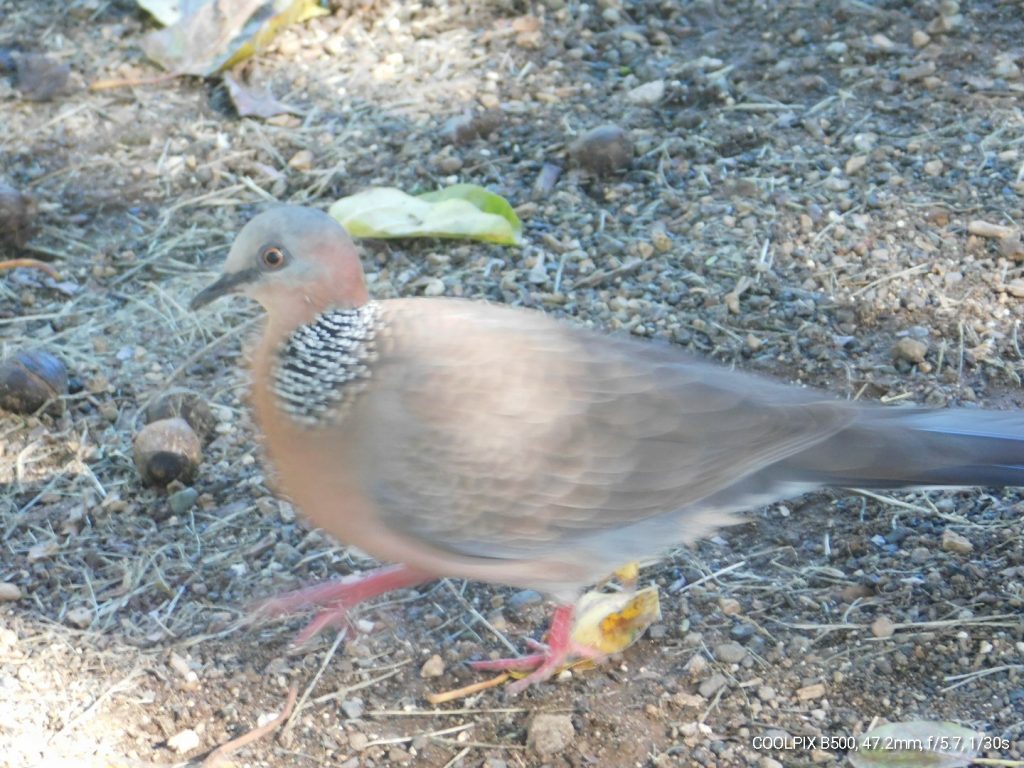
610, 623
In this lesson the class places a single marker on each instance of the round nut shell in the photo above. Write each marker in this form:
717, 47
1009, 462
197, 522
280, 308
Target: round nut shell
30, 379
603, 150
167, 450
187, 405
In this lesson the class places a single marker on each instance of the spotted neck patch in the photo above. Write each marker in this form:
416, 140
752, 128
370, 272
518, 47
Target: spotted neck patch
323, 365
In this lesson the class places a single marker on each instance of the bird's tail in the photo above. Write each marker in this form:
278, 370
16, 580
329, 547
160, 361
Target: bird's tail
897, 448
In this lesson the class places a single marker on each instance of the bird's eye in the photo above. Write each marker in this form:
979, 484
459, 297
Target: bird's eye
272, 257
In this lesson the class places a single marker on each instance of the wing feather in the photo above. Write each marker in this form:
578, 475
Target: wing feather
497, 433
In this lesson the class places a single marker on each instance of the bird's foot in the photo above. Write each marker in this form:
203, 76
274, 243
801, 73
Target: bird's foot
335, 598
548, 658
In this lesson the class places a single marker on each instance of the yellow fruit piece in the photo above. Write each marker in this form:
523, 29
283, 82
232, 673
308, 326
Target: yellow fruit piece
629, 573
610, 623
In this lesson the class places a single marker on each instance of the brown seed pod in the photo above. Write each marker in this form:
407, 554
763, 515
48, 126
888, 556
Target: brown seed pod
17, 216
182, 403
603, 150
167, 450
30, 379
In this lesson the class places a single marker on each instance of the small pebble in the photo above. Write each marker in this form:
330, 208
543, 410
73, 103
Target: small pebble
837, 49
661, 240
954, 542
920, 38
523, 599
813, 691
182, 501
183, 669
184, 741
685, 700
1015, 288
933, 167
550, 734
983, 228
448, 164
433, 287
353, 708
696, 666
853, 592
917, 72
358, 741
546, 179
9, 591
1005, 67
712, 685
855, 163
79, 617
920, 555
108, 410
647, 94
1011, 247
910, 349
301, 160
730, 606
883, 42
741, 632
538, 274
432, 667
469, 126
460, 129
883, 627
730, 653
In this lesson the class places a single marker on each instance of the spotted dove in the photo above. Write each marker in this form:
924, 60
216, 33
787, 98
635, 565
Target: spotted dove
466, 439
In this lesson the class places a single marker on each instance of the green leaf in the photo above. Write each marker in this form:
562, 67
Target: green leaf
917, 744
463, 211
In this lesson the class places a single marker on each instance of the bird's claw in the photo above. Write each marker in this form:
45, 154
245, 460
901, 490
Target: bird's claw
547, 659
335, 598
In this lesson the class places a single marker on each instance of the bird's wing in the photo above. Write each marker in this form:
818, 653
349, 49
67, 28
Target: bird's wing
502, 433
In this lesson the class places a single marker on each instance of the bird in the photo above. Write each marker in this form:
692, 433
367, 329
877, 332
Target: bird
452, 437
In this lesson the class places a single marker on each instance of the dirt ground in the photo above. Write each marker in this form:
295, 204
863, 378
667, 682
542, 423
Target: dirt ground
803, 199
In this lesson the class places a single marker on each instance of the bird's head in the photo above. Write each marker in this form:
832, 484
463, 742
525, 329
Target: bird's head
294, 261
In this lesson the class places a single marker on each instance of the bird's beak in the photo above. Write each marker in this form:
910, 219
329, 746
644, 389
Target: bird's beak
227, 283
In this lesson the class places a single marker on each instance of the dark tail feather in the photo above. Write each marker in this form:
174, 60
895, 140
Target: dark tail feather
894, 448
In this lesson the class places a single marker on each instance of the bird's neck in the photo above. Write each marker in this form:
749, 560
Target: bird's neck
291, 306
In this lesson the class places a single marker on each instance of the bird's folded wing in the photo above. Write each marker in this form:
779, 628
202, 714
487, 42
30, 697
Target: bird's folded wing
505, 434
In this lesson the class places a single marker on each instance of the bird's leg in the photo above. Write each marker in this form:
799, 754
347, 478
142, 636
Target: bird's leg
548, 658
336, 597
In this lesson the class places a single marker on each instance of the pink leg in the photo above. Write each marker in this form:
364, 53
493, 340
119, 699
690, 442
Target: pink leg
548, 658
336, 597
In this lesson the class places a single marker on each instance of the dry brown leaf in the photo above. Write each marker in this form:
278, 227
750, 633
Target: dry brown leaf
254, 101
